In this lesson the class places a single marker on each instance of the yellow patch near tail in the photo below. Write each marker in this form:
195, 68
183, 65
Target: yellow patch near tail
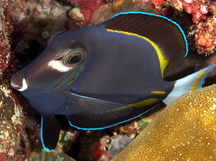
194, 86
158, 92
163, 61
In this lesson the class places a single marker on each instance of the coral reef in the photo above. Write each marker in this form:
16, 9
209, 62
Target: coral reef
202, 32
131, 129
84, 10
32, 25
205, 36
109, 146
12, 126
184, 130
66, 140
100, 150
197, 8
5, 30
14, 142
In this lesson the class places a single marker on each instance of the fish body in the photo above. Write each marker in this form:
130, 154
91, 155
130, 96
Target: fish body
104, 75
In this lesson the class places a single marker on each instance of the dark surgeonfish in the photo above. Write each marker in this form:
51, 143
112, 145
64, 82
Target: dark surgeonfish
107, 74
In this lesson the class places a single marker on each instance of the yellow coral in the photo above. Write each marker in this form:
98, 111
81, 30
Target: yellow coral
185, 130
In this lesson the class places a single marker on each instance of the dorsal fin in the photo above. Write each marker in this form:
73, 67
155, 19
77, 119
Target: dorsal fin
59, 25
164, 32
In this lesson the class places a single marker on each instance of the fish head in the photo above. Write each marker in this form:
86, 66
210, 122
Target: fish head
53, 69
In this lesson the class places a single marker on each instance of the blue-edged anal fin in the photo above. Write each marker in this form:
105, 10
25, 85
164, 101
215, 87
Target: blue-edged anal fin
50, 129
89, 113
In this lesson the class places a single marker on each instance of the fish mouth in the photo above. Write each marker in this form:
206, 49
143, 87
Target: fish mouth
19, 83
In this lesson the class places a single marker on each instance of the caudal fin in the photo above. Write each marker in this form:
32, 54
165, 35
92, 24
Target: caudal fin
188, 83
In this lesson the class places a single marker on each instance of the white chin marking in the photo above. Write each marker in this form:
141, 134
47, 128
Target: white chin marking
24, 85
59, 66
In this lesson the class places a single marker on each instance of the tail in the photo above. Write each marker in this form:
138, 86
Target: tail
188, 83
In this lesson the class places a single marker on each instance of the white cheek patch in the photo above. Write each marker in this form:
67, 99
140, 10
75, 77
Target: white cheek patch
24, 85
59, 66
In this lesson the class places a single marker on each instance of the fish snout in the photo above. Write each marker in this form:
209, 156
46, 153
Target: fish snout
18, 82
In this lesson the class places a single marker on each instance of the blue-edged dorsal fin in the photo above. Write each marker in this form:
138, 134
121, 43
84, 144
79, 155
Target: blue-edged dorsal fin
165, 35
164, 32
188, 83
49, 132
94, 108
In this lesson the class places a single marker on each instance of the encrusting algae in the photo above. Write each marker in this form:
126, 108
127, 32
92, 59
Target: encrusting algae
185, 130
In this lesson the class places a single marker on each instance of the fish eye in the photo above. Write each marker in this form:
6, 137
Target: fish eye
74, 57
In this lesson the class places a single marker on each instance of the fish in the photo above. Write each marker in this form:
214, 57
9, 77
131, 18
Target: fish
107, 74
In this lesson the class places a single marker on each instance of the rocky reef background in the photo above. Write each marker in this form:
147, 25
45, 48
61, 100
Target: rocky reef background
25, 29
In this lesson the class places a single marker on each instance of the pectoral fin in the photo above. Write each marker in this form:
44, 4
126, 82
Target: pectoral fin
94, 108
89, 113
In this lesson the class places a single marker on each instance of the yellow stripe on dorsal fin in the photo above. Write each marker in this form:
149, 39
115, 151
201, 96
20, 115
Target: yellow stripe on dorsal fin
162, 60
165, 35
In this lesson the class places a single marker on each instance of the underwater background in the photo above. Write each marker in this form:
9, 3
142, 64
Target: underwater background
25, 29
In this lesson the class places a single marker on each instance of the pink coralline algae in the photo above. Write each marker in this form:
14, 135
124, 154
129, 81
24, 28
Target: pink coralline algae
157, 2
197, 8
205, 36
84, 10
100, 150
203, 12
